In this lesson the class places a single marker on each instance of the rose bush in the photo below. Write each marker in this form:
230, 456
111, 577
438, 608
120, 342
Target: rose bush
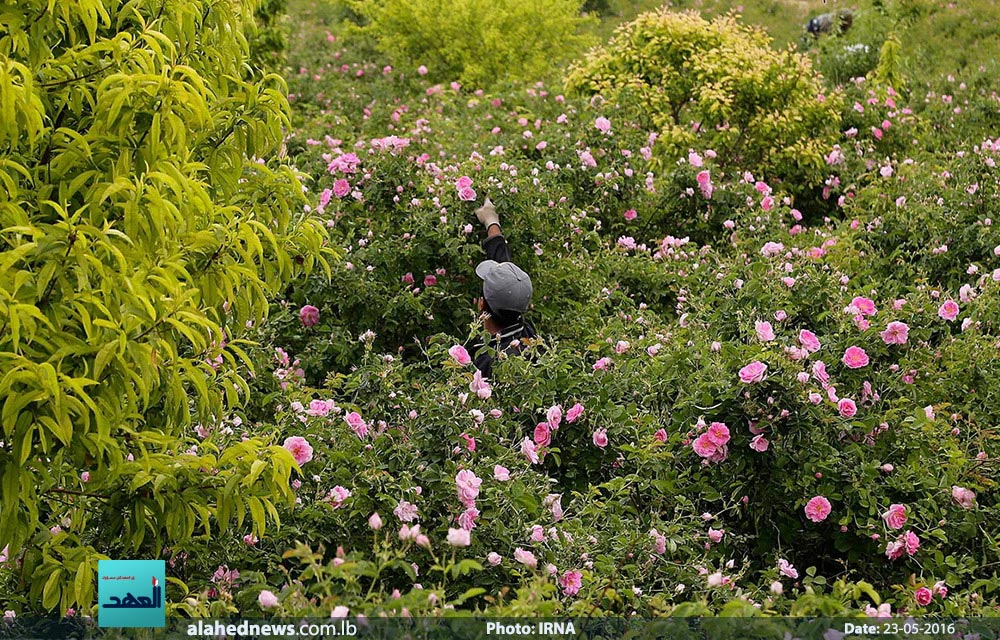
746, 398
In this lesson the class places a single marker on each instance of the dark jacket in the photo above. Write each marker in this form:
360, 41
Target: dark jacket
497, 249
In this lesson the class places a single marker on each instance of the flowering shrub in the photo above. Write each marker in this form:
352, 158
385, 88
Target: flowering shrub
716, 85
744, 399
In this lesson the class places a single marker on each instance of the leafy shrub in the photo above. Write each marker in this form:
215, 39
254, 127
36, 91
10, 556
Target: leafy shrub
476, 42
716, 85
140, 238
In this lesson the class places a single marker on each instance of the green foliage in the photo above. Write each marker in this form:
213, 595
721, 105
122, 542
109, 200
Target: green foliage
716, 85
143, 225
479, 43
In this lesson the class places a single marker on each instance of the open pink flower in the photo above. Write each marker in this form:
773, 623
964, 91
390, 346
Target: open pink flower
309, 315
459, 537
357, 424
525, 557
847, 407
341, 187
299, 448
543, 435
467, 485
600, 438
718, 433
948, 310
753, 372
895, 517
855, 358
460, 355
529, 450
574, 412
818, 508
553, 416
923, 596
704, 446
865, 306
765, 332
759, 443
480, 386
895, 333
571, 581
809, 341
965, 498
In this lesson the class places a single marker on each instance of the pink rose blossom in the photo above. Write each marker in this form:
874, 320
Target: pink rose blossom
847, 407
309, 315
715, 535
765, 332
574, 412
923, 596
480, 386
459, 537
525, 557
501, 473
375, 521
267, 600
818, 508
341, 187
753, 372
965, 498
855, 358
809, 341
786, 569
948, 310
553, 416
759, 443
660, 435
602, 364
865, 306
571, 582
704, 446
357, 424
460, 355
895, 517
529, 450
542, 435
299, 448
718, 433
467, 485
895, 333
600, 438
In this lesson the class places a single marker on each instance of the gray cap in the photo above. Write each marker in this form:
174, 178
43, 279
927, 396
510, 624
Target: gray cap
505, 286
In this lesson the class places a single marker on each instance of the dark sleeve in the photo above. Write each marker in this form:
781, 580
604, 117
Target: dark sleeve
496, 248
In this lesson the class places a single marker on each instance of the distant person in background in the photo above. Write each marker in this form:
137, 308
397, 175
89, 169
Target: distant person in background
826, 22
506, 296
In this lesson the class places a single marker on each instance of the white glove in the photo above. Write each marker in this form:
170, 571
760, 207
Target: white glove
487, 214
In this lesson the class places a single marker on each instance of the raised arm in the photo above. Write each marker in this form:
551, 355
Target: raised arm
495, 244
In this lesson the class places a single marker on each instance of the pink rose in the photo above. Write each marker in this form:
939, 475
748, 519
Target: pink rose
963, 497
467, 485
460, 355
765, 332
753, 372
818, 508
809, 341
341, 187
948, 310
865, 306
895, 333
571, 581
785, 568
631, 215
337, 496
715, 535
600, 438
543, 436
501, 473
309, 315
895, 517
357, 424
574, 412
299, 448
602, 364
704, 446
463, 183
718, 433
467, 194
923, 596
554, 416
459, 537
525, 557
660, 435
529, 450
759, 443
847, 407
267, 600
855, 358
375, 521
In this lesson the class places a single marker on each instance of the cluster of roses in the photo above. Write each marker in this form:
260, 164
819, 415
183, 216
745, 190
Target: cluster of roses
534, 448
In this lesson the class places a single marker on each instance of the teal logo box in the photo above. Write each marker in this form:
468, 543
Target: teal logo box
130, 593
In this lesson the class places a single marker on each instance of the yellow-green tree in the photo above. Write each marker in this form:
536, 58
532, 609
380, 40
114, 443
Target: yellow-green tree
716, 85
144, 220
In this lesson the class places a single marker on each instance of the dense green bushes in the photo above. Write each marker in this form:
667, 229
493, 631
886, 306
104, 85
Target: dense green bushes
716, 85
478, 43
